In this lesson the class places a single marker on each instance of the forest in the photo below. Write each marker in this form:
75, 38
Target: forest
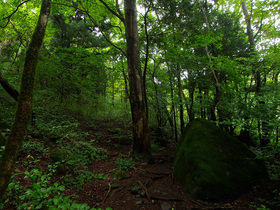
97, 97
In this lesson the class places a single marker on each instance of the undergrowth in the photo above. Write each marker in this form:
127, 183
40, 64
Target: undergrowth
40, 194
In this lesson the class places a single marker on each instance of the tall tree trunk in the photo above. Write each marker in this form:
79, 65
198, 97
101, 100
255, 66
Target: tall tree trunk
140, 122
24, 110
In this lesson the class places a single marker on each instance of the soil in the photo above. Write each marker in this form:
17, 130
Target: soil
158, 189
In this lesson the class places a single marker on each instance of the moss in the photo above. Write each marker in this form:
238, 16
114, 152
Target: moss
59, 155
212, 165
119, 174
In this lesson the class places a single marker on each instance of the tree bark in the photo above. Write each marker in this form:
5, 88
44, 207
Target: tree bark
141, 136
24, 110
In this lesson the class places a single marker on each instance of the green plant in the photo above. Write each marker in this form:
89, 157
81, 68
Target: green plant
2, 149
263, 207
125, 164
157, 147
31, 145
40, 194
14, 190
82, 178
85, 153
270, 155
37, 193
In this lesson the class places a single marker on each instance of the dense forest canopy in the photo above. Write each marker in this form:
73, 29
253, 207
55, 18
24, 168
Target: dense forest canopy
216, 60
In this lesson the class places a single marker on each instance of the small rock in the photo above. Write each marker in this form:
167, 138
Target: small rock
165, 206
140, 202
119, 174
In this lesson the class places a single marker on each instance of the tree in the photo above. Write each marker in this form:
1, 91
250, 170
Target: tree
24, 110
140, 121
141, 139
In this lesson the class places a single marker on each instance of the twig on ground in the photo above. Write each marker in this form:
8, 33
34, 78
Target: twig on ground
108, 192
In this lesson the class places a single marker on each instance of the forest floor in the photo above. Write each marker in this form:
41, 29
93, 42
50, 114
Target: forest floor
149, 185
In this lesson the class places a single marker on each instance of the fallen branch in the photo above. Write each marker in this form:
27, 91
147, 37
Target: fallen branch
166, 198
144, 186
108, 192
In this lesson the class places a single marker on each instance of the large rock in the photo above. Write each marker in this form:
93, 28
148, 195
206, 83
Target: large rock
214, 166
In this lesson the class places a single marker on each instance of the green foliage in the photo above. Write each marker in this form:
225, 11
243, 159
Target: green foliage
54, 127
270, 155
37, 193
40, 193
77, 153
32, 145
157, 147
125, 164
82, 178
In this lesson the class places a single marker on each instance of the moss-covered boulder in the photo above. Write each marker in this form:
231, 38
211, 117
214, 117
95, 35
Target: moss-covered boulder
214, 166
59, 155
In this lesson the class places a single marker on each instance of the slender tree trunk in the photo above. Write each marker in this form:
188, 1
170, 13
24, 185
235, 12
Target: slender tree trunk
140, 122
202, 110
191, 89
248, 17
24, 110
262, 130
125, 85
217, 97
216, 80
146, 63
113, 94
181, 108
173, 109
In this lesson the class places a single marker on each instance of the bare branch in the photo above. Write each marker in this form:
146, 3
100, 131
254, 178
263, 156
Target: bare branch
10, 16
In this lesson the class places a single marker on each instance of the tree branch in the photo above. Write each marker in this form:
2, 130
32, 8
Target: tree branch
9, 16
95, 22
119, 11
105, 37
259, 29
112, 11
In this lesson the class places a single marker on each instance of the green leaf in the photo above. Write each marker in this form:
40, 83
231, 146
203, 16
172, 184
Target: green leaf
61, 188
55, 201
